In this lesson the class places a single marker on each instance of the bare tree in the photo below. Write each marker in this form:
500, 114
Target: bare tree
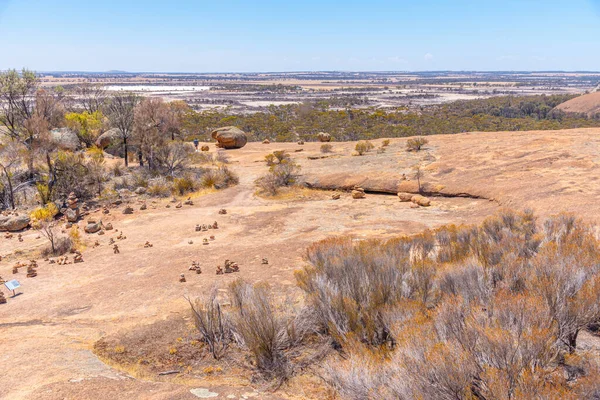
151, 122
121, 113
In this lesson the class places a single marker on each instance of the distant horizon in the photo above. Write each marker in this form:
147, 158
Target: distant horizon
307, 71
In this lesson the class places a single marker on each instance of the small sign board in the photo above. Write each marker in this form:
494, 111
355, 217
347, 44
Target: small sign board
12, 285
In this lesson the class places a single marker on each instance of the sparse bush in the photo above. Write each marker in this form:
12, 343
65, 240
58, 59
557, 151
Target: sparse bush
222, 157
277, 157
117, 169
385, 143
183, 185
416, 144
159, 187
283, 173
326, 148
363, 147
212, 324
219, 178
262, 330
62, 245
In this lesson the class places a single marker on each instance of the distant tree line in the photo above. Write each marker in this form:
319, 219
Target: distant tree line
304, 121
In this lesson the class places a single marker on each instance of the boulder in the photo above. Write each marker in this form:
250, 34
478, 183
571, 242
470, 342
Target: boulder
405, 197
140, 190
65, 139
421, 200
230, 137
93, 226
72, 214
324, 137
13, 223
107, 138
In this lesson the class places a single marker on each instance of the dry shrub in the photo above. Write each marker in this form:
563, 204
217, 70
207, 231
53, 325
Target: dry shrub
213, 325
363, 147
185, 184
487, 312
219, 178
159, 187
117, 169
264, 332
284, 172
277, 157
385, 143
62, 245
326, 148
416, 144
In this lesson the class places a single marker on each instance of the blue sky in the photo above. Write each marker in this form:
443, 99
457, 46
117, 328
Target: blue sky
263, 35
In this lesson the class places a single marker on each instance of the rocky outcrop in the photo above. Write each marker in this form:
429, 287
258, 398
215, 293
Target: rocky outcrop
229, 137
13, 223
107, 138
65, 139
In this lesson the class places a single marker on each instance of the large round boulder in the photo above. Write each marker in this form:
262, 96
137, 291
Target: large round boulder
107, 138
230, 137
65, 139
324, 137
13, 223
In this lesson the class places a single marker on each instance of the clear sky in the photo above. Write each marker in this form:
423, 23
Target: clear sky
300, 35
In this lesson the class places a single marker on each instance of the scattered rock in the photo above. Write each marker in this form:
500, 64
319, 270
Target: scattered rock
205, 148
116, 249
421, 200
266, 141
140, 190
405, 197
222, 211
108, 227
128, 210
265, 261
179, 205
182, 278
301, 142
229, 137
336, 196
144, 206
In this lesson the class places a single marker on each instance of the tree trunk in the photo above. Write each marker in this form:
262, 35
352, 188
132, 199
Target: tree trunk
11, 195
140, 158
125, 151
